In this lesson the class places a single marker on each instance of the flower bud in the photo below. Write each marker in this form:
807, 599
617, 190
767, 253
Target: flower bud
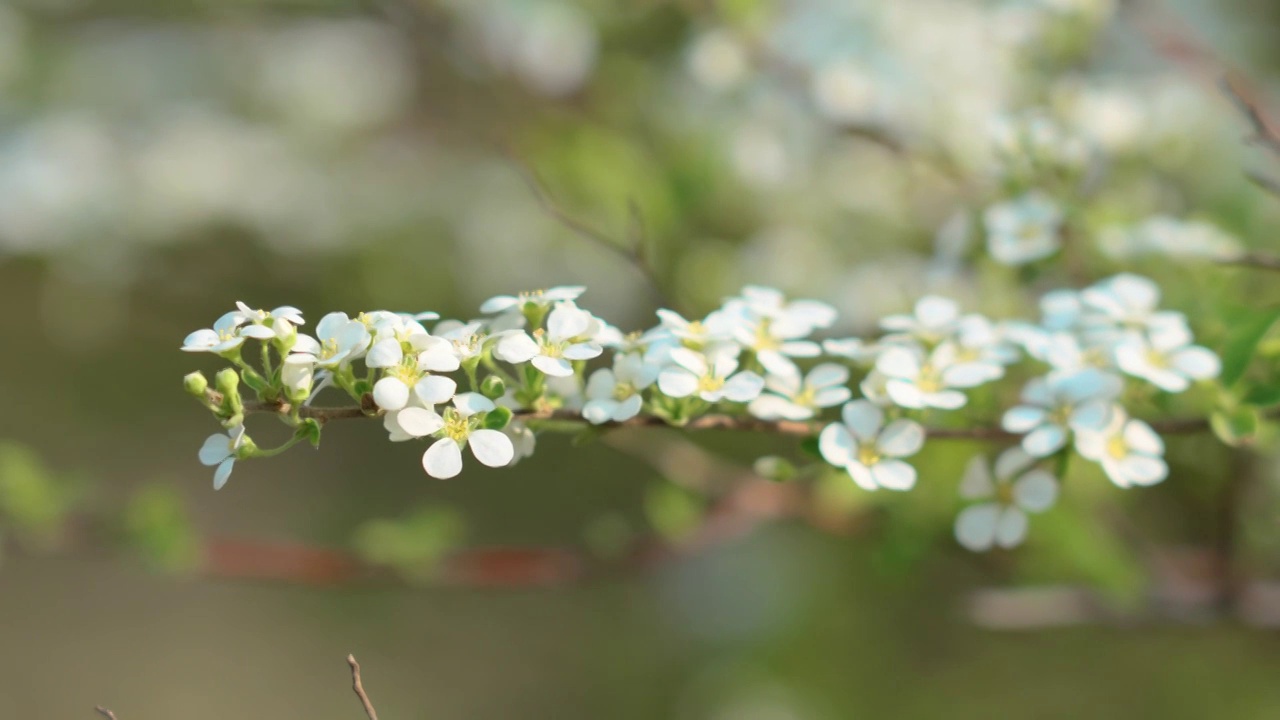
492, 387
228, 383
195, 384
297, 374
772, 467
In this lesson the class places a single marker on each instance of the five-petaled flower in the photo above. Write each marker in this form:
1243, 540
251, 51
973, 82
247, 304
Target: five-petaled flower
457, 427
791, 397
223, 337
1130, 452
552, 350
712, 377
870, 451
1060, 403
1023, 230
615, 395
220, 450
1015, 490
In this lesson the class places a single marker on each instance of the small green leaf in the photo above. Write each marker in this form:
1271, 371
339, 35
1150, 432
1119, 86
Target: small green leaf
1242, 341
810, 447
310, 430
1236, 427
673, 511
1263, 395
415, 545
497, 418
158, 528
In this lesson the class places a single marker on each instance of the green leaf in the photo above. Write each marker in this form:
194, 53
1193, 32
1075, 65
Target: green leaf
1263, 395
157, 526
415, 545
810, 447
1236, 427
497, 418
310, 430
673, 511
1242, 341
32, 501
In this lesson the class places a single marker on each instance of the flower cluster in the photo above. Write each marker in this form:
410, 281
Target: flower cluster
538, 361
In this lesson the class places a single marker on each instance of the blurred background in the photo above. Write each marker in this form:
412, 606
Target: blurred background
160, 160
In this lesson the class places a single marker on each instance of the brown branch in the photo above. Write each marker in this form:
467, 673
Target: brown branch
1254, 260
105, 713
358, 687
1172, 426
1261, 133
634, 250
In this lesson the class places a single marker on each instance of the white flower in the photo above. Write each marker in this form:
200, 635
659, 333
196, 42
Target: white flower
1023, 230
410, 372
1130, 452
919, 381
1059, 404
1166, 358
224, 336
718, 327
869, 450
790, 398
536, 299
614, 395
339, 340
797, 318
854, 349
468, 339
935, 319
458, 427
279, 323
297, 374
1128, 302
551, 350
712, 378
1013, 492
522, 438
220, 450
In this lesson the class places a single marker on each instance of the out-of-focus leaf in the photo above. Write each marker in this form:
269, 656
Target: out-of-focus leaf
1247, 330
415, 545
1263, 395
157, 526
32, 502
673, 511
1069, 541
1236, 427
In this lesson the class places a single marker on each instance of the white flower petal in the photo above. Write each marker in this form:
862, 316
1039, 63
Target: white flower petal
1036, 491
1197, 362
1143, 469
439, 358
516, 348
1011, 528
827, 375
216, 448
555, 367
435, 389
498, 304
443, 459
1021, 418
1012, 462
391, 394
901, 438
677, 382
862, 476
419, 422
837, 445
977, 482
976, 526
894, 475
491, 447
863, 418
743, 387
223, 473
385, 353
599, 411
257, 332
582, 351
470, 403
1140, 437
1044, 440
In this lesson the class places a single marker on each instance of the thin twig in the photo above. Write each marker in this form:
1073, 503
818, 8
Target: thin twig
1255, 260
1261, 133
105, 713
358, 687
1172, 426
633, 249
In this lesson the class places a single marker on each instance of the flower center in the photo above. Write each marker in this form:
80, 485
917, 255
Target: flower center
456, 426
806, 397
328, 349
1004, 493
930, 380
1157, 359
1060, 415
1117, 448
869, 454
710, 383
227, 334
623, 391
764, 339
407, 371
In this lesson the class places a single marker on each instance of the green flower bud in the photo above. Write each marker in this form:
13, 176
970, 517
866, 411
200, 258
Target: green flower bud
228, 383
772, 467
195, 384
492, 387
497, 418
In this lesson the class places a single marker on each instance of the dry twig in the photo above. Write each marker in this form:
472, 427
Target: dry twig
358, 687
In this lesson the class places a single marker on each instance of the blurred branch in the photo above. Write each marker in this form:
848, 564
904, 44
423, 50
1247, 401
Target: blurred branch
1255, 260
633, 249
1261, 133
358, 687
105, 713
